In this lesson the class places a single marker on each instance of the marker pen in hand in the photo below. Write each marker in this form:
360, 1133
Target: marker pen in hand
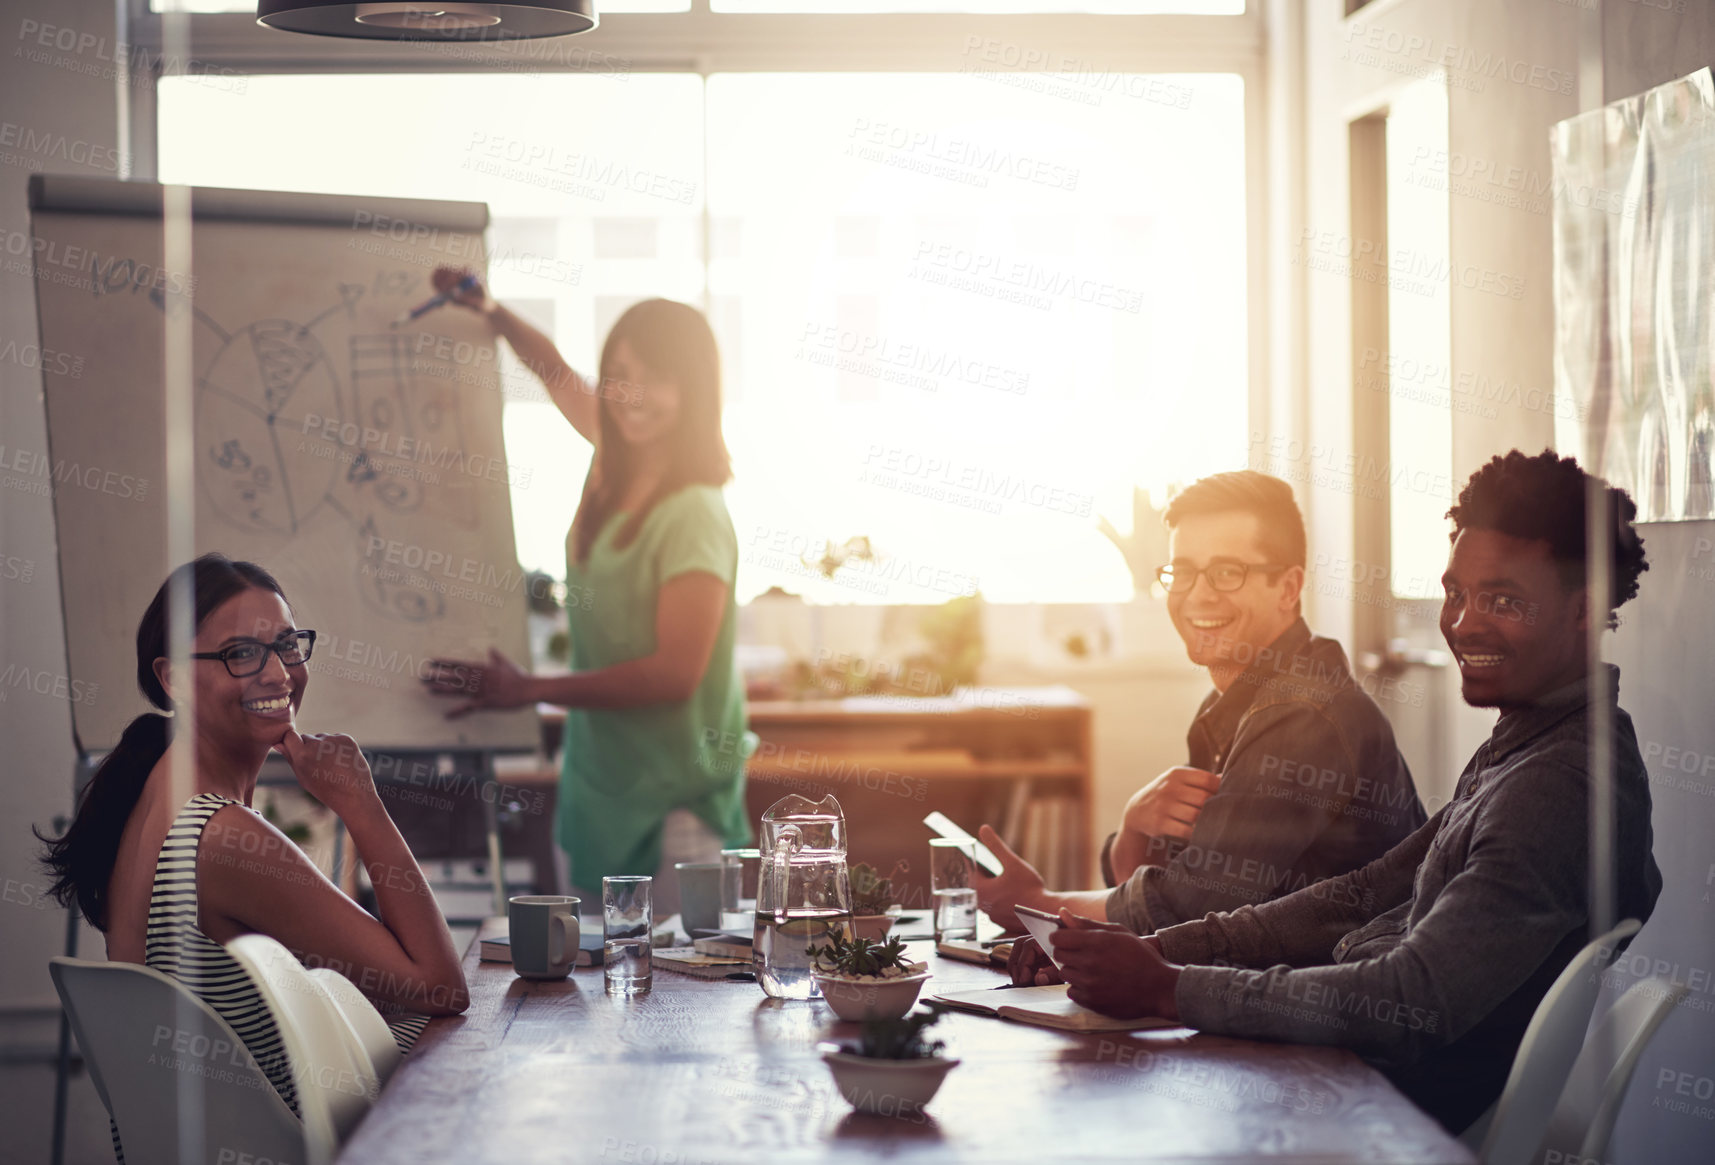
468, 283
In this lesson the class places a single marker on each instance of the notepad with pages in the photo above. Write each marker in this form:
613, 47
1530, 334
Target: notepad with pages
1045, 1007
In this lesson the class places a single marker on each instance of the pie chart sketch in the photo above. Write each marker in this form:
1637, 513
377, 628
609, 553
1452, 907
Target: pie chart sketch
256, 476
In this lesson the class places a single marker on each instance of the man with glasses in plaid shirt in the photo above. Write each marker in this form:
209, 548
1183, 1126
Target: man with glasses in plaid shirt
1292, 776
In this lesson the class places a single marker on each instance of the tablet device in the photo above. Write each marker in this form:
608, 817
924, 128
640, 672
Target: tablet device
943, 825
1041, 926
1049, 916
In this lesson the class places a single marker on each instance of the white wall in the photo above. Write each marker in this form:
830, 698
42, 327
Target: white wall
58, 113
1668, 674
1499, 126
1354, 67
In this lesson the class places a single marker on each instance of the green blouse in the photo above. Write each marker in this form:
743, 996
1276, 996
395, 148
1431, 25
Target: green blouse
624, 769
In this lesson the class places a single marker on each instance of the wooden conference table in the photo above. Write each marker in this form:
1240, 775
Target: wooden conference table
703, 1072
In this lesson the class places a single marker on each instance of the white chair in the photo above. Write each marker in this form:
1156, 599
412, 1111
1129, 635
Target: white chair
1510, 1132
1583, 1121
335, 1080
371, 1029
175, 1077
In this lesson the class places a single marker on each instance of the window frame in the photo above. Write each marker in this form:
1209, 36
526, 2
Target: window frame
716, 42
704, 42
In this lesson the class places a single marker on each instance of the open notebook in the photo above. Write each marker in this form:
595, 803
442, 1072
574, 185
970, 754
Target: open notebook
1044, 1006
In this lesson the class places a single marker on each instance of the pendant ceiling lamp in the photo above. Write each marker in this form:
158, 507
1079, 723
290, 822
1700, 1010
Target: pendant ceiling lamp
429, 19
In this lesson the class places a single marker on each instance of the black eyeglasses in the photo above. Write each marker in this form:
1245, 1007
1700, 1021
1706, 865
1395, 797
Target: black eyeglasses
1223, 576
249, 656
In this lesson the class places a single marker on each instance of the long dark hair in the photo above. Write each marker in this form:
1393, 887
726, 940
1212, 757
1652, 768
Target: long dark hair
675, 341
81, 860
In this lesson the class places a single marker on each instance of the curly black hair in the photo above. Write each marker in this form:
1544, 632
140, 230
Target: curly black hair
1546, 498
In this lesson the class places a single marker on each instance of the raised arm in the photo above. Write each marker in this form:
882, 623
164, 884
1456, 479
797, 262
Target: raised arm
574, 395
251, 878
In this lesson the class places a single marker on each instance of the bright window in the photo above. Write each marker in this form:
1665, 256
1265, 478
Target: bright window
571, 243
604, 8
826, 7
1420, 340
1012, 7
971, 313
961, 315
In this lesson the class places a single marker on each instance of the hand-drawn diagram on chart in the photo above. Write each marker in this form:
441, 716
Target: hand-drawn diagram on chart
284, 441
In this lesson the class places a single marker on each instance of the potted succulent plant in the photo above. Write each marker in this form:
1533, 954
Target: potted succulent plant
864, 980
891, 1069
873, 901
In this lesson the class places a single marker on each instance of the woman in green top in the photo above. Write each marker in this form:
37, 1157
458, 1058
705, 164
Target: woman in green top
655, 734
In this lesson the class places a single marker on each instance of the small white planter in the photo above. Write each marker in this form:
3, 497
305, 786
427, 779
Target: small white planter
861, 998
873, 927
898, 1088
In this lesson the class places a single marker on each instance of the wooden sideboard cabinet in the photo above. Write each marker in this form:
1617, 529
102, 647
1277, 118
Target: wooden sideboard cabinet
1016, 758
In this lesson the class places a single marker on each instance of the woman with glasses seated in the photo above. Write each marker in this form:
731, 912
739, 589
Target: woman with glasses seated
170, 872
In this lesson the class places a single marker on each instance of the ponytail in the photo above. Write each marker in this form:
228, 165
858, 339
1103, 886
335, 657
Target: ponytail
81, 861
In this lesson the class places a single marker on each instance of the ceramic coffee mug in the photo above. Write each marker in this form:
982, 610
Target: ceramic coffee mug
544, 930
699, 895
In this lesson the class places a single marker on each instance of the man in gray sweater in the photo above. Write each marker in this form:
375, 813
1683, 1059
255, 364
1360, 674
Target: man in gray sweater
1291, 775
1431, 960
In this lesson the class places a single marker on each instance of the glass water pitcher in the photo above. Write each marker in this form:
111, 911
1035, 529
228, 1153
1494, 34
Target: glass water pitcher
804, 893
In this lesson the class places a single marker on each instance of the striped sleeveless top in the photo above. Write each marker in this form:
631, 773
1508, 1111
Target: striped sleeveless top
176, 946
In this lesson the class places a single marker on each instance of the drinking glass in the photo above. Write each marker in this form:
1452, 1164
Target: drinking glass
627, 919
952, 862
739, 868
